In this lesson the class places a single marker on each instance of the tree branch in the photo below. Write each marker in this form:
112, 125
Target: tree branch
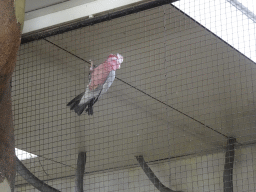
152, 177
32, 179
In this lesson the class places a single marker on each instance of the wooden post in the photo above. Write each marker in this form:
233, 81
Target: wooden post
10, 32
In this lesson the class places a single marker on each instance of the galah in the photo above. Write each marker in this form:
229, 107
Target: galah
102, 78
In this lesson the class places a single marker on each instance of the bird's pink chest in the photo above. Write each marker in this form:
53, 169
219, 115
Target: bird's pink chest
98, 76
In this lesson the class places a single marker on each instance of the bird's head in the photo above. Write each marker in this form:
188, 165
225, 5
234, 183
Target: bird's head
115, 61
120, 60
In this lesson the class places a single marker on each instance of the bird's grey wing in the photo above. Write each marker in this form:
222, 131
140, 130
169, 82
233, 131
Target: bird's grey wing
90, 94
104, 88
110, 79
100, 90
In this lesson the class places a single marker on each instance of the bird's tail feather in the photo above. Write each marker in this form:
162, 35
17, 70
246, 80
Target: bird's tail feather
79, 108
89, 110
77, 98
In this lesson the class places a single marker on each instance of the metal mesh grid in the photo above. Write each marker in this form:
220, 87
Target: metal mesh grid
180, 94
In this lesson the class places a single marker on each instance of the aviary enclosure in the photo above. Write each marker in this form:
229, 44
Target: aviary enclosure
179, 116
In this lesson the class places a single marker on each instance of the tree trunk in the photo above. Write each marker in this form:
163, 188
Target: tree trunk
9, 45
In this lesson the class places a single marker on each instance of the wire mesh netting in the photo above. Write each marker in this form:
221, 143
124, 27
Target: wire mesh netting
179, 100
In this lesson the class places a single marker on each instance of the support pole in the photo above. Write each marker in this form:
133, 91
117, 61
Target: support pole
229, 164
81, 160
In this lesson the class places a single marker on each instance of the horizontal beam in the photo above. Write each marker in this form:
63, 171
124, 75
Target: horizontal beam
87, 22
74, 13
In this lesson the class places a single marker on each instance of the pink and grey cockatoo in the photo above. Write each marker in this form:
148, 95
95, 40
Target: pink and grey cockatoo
102, 78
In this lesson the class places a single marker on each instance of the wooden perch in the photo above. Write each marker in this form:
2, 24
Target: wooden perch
81, 160
229, 164
152, 177
32, 179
